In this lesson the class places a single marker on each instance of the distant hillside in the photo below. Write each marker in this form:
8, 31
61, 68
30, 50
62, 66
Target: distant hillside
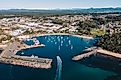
58, 11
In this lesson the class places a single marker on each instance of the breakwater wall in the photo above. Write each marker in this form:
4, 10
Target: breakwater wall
8, 56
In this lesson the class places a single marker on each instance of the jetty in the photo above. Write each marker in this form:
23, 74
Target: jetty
8, 56
32, 46
94, 51
85, 55
109, 53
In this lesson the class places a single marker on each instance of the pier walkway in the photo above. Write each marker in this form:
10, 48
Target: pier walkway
109, 53
93, 51
88, 54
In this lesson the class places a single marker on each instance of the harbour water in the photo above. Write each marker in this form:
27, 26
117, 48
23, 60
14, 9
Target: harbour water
93, 68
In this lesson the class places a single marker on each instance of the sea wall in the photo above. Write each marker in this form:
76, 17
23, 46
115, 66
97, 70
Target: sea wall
8, 56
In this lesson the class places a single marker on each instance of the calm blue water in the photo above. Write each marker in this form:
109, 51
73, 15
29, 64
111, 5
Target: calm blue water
93, 68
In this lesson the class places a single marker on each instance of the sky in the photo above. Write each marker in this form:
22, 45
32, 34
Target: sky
50, 4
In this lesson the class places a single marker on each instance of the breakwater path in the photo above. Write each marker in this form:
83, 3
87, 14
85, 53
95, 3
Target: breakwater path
9, 56
93, 51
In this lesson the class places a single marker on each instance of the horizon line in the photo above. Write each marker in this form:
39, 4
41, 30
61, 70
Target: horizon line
58, 8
